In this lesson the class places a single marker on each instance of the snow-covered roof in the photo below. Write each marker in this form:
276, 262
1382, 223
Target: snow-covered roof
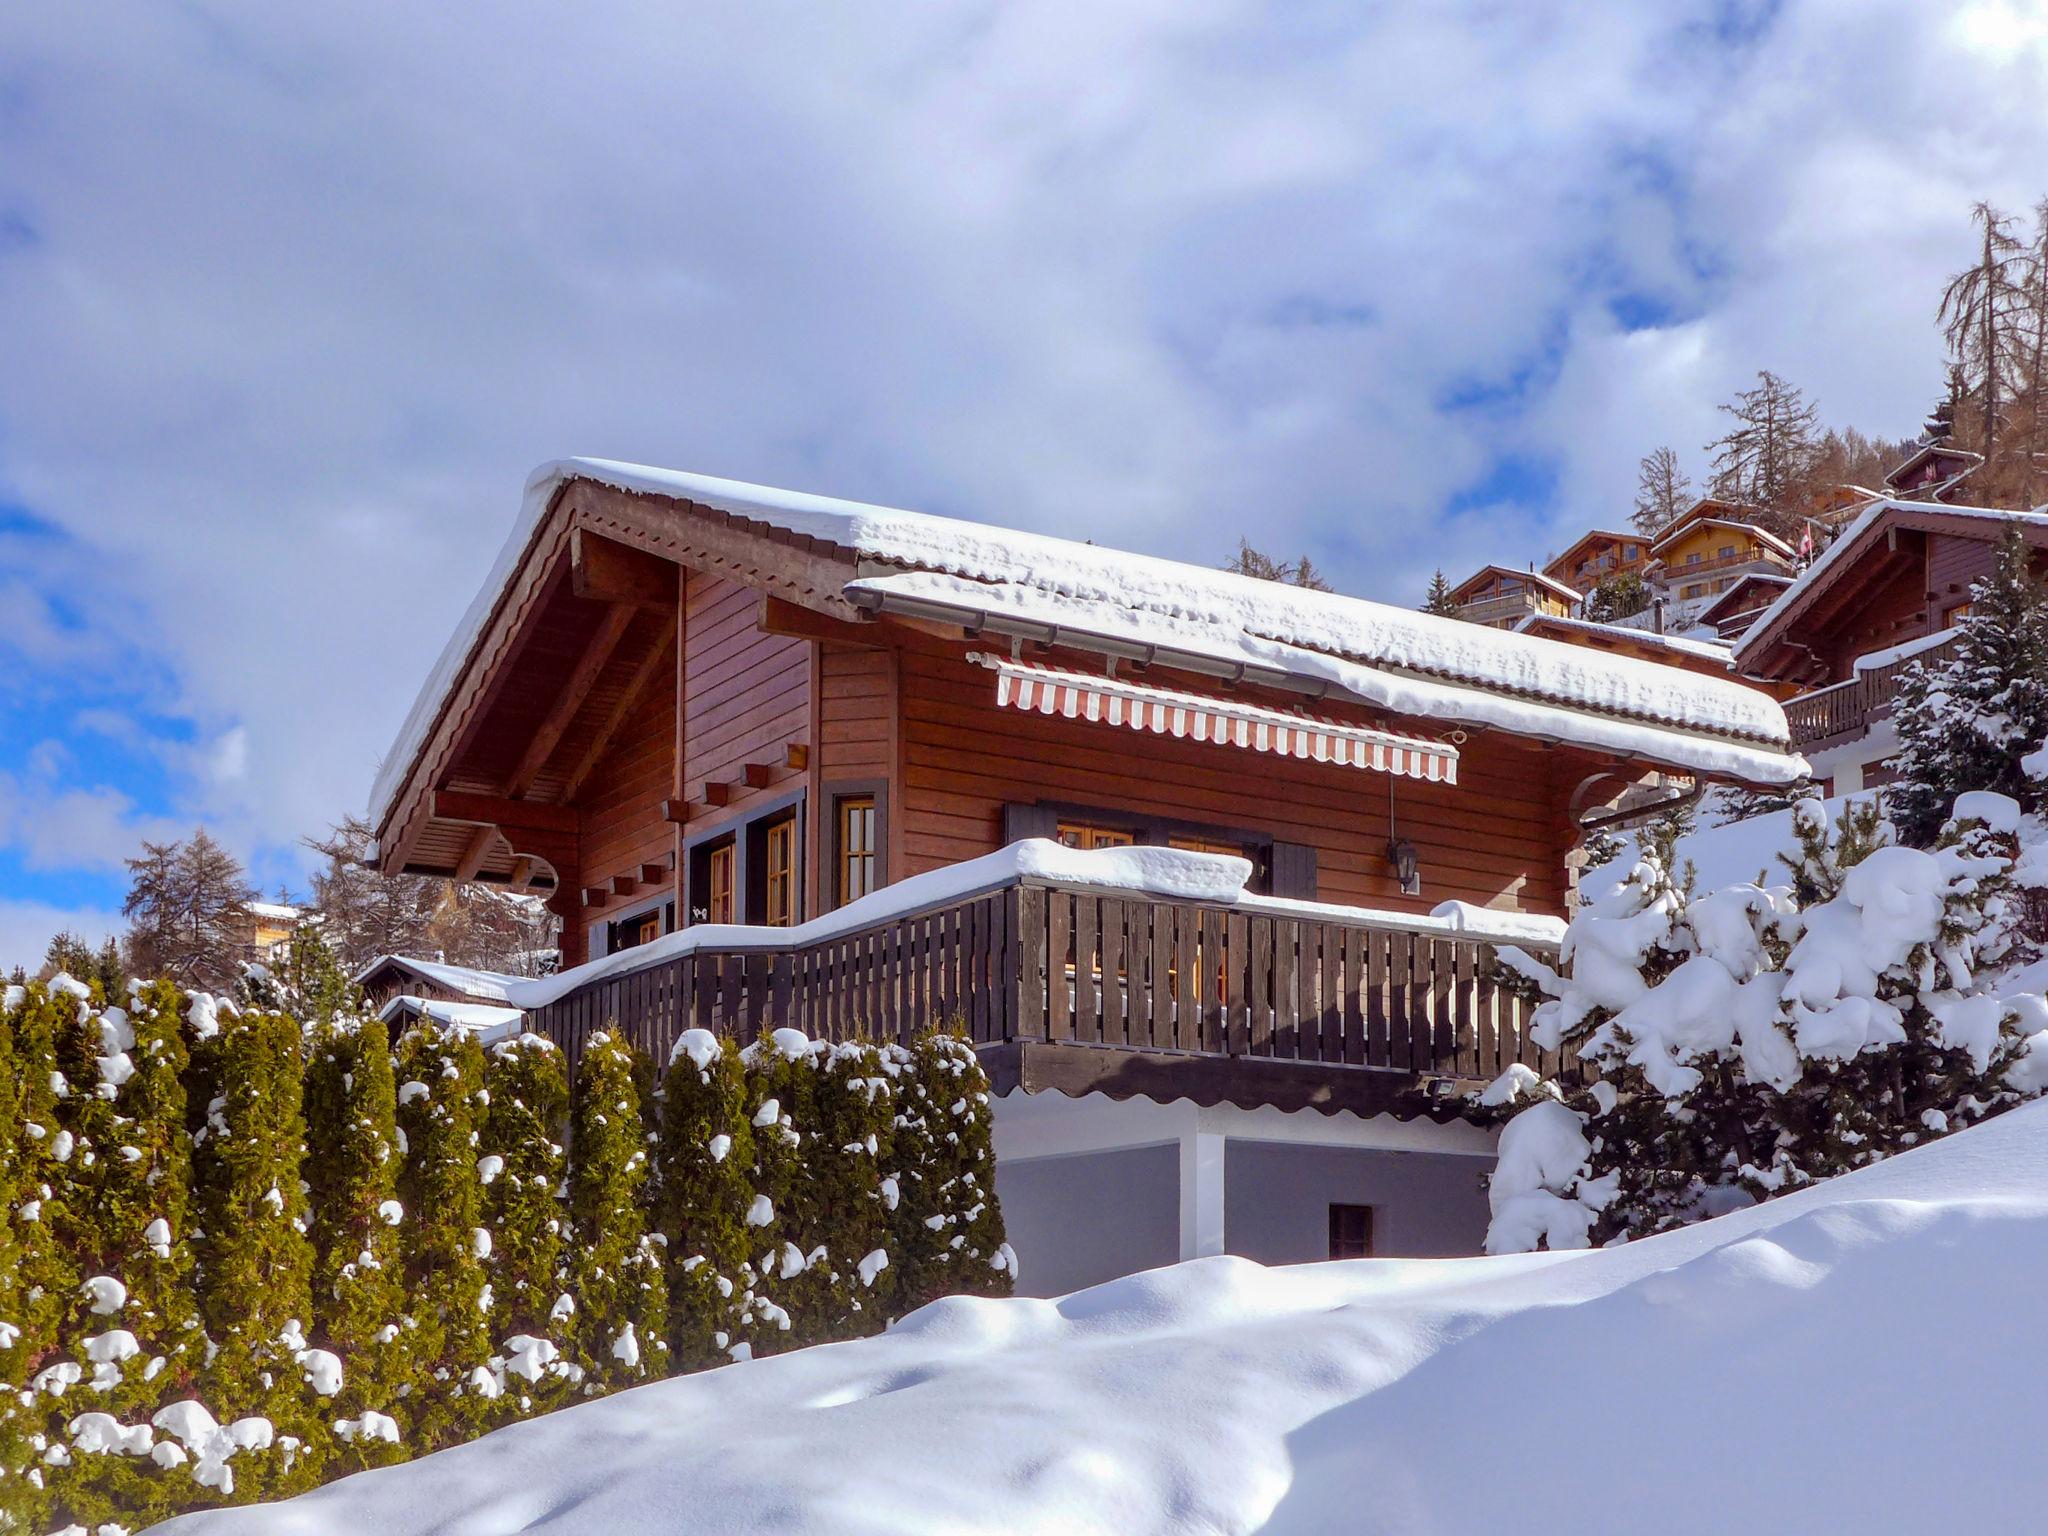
1171, 598
488, 1023
1763, 536
1709, 650
1836, 554
493, 985
277, 911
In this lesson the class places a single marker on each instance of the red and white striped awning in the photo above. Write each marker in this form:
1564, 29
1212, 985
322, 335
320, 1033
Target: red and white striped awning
1167, 712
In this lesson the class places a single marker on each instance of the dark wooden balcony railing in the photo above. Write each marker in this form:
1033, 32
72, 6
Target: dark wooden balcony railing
1847, 709
1034, 961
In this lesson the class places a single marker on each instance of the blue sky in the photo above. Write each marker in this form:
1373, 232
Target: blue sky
294, 299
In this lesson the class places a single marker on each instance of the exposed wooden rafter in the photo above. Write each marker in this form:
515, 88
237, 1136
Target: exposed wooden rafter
481, 842
655, 666
610, 630
497, 811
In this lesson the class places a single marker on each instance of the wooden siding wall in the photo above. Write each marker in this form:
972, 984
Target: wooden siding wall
745, 697
963, 758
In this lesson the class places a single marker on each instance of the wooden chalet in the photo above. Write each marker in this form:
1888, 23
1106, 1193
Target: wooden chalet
1743, 603
1597, 556
1933, 472
722, 725
1706, 657
1885, 593
1701, 554
1500, 597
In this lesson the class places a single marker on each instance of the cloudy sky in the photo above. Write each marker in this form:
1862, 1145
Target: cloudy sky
292, 297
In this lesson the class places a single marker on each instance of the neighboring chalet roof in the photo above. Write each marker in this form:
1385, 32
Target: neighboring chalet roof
477, 986
1751, 592
1840, 560
1537, 578
489, 1023
1585, 541
1629, 640
1689, 522
1959, 462
848, 557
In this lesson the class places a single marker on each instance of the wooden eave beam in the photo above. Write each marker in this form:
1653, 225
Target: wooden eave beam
780, 616
481, 842
497, 811
606, 571
610, 630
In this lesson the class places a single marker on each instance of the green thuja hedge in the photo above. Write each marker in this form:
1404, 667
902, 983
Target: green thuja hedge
242, 1256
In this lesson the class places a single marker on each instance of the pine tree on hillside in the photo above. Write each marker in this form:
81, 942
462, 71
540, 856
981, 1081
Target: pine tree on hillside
188, 909
1966, 723
133, 1322
706, 1158
524, 1170
359, 1295
1977, 315
69, 955
621, 1295
254, 1260
441, 1097
1765, 460
1662, 491
307, 982
1254, 562
1620, 596
1438, 599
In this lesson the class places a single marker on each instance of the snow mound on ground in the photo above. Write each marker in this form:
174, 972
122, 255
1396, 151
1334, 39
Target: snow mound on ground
1858, 1356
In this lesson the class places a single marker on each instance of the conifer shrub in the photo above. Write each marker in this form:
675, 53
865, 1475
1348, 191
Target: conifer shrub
524, 1172
946, 1223
621, 1324
255, 1265
441, 1101
359, 1296
706, 1159
853, 1148
784, 1218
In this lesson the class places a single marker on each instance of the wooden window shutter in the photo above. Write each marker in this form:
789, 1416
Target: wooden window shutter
1294, 871
1021, 821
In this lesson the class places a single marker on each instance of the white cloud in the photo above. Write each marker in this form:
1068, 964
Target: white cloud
310, 290
26, 928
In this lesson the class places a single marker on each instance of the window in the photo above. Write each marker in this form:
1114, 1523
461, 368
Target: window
718, 899
856, 852
1631, 551
778, 872
637, 928
714, 875
1693, 558
1726, 552
1350, 1231
1206, 845
1082, 834
1950, 617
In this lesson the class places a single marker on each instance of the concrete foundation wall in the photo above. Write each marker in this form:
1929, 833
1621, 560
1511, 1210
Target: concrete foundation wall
1277, 1199
1078, 1220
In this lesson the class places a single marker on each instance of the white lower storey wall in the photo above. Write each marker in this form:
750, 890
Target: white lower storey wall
1094, 1188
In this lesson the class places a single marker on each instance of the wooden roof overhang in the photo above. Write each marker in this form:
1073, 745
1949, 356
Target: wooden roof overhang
1559, 568
582, 631
1888, 541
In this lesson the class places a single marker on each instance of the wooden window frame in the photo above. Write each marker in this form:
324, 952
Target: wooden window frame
745, 827
1344, 1215
758, 828
832, 794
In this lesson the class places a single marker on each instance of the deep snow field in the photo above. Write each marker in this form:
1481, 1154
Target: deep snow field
1868, 1355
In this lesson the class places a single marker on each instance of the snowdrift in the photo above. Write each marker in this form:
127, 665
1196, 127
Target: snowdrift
1866, 1355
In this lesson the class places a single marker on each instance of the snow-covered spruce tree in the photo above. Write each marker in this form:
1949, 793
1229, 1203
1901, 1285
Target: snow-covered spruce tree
524, 1171
441, 1098
621, 1329
947, 1227
706, 1158
1743, 1042
132, 1326
259, 1430
308, 983
783, 1220
1966, 723
851, 1154
359, 1296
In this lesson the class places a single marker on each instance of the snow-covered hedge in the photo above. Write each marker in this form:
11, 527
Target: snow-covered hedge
241, 1255
1731, 1044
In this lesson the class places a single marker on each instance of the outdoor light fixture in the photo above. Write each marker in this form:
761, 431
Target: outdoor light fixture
1401, 854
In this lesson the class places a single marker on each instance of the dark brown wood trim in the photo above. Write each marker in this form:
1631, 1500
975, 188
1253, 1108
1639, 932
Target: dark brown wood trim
606, 571
1164, 1077
497, 811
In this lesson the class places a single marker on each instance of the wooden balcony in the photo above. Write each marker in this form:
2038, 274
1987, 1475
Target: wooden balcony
1083, 990
1843, 711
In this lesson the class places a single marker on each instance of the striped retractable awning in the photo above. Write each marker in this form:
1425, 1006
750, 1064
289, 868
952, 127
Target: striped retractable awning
1167, 712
